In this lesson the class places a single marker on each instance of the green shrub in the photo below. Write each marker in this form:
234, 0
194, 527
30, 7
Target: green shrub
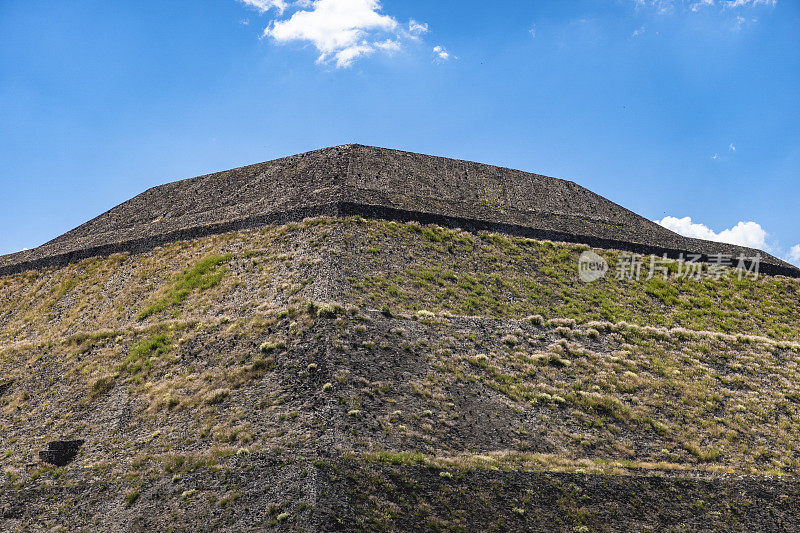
101, 386
271, 346
216, 396
328, 310
130, 497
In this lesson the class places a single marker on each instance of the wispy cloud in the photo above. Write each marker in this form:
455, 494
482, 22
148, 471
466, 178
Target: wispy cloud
670, 6
388, 45
717, 157
794, 255
748, 3
441, 53
697, 6
736, 15
266, 5
417, 28
342, 31
661, 6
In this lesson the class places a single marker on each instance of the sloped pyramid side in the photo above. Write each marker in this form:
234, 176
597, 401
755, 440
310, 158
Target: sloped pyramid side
371, 182
248, 401
500, 199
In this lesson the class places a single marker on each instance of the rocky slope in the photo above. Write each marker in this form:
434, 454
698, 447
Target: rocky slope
345, 374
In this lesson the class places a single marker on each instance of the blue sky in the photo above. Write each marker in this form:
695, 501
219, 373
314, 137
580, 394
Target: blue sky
671, 108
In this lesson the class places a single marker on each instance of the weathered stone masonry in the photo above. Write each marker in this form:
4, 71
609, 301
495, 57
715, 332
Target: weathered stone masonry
374, 183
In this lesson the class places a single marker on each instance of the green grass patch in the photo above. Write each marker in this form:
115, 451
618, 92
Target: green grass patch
101, 386
141, 355
207, 273
397, 458
658, 288
510, 277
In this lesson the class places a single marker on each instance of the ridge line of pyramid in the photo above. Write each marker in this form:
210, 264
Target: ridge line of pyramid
350, 146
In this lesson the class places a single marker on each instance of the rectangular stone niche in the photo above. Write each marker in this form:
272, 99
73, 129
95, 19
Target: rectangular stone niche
60, 452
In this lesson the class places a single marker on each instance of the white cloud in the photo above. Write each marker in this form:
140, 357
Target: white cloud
346, 56
441, 53
668, 6
266, 5
702, 3
389, 45
532, 31
661, 6
417, 28
640, 31
749, 3
341, 30
748, 234
794, 255
715, 157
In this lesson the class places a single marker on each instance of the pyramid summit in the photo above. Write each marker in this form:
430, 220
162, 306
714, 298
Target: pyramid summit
352, 180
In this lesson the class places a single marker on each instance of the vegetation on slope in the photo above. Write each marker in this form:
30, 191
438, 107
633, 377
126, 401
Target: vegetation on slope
494, 275
378, 264
603, 396
205, 274
488, 353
